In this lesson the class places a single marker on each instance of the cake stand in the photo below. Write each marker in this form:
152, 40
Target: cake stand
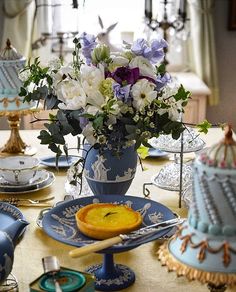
178, 175
59, 223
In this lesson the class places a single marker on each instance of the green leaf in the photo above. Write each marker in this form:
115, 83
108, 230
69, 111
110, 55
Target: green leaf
55, 148
23, 91
65, 149
143, 151
161, 69
182, 93
204, 126
98, 122
45, 137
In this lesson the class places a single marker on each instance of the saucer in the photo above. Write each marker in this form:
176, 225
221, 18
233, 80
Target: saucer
152, 152
6, 189
63, 162
40, 176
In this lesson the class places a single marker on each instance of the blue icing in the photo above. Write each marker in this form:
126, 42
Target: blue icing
228, 230
193, 221
214, 229
7, 91
202, 226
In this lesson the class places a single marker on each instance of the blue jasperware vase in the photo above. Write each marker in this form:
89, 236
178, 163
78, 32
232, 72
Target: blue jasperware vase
108, 174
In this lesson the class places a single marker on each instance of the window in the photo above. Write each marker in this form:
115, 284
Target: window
129, 16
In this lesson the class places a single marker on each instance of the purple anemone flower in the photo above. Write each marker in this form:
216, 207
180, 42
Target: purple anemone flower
125, 75
88, 43
154, 53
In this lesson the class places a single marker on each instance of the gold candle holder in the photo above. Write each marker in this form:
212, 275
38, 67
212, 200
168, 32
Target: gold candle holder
15, 144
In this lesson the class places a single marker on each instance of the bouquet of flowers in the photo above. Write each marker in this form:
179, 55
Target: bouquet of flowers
112, 98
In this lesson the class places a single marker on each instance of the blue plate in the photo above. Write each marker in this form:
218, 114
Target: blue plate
63, 162
8, 215
152, 152
59, 223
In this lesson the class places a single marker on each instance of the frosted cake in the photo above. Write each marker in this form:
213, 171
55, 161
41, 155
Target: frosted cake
204, 248
11, 63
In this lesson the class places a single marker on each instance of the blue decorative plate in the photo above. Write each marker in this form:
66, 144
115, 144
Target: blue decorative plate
63, 162
59, 223
8, 215
152, 152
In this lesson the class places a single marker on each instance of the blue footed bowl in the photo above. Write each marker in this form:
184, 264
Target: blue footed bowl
109, 174
60, 224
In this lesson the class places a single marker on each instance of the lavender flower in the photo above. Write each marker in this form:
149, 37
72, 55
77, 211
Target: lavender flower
125, 75
154, 53
122, 93
162, 81
88, 43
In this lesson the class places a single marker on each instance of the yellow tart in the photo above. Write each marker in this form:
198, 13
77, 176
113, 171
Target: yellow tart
105, 220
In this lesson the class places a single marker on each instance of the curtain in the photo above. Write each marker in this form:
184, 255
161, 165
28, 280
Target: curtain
18, 24
202, 52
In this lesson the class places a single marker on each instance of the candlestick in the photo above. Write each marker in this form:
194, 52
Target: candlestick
148, 9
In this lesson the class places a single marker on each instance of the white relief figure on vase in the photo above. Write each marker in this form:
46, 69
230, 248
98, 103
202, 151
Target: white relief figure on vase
128, 174
99, 169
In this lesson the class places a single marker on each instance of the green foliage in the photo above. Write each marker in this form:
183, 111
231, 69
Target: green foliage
204, 126
143, 151
182, 93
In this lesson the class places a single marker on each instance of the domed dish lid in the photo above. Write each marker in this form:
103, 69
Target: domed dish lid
9, 53
222, 154
191, 142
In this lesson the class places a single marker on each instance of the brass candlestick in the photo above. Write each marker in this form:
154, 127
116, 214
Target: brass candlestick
15, 144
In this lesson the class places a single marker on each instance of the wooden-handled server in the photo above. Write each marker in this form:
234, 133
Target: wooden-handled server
145, 231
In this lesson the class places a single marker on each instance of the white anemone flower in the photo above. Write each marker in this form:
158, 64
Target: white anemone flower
91, 78
65, 72
145, 67
95, 102
119, 60
71, 93
143, 93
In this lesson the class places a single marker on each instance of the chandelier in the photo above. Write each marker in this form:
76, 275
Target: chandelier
168, 16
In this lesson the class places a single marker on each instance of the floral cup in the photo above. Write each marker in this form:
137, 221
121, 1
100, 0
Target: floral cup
18, 170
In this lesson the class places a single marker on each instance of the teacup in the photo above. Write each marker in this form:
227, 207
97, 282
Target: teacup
18, 170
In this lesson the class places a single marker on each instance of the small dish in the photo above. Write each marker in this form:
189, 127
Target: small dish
18, 170
63, 162
152, 152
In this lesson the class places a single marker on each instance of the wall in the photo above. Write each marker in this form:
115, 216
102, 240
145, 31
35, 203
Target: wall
225, 111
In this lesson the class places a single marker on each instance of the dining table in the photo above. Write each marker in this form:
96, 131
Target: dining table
35, 244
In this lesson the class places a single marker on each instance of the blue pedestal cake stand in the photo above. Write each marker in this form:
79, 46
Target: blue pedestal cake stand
59, 223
